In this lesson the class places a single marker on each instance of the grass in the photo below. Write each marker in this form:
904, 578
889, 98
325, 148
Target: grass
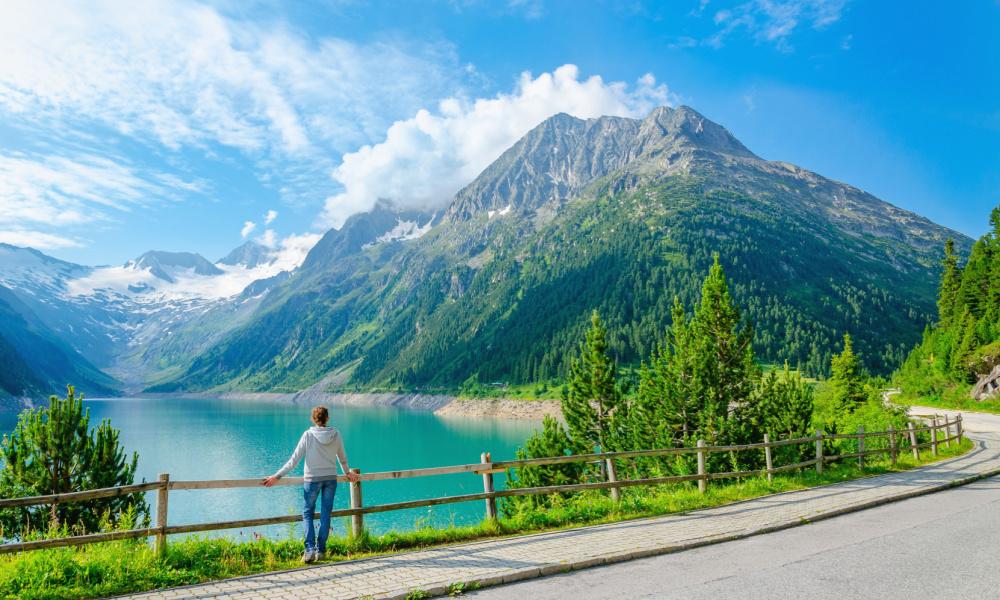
131, 565
953, 398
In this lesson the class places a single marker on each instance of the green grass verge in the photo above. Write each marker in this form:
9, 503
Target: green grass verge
954, 398
131, 566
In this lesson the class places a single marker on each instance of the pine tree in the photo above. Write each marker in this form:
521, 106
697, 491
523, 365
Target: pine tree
951, 280
53, 451
591, 396
848, 378
552, 440
723, 365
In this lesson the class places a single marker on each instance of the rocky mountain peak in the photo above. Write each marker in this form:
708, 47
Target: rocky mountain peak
250, 254
162, 264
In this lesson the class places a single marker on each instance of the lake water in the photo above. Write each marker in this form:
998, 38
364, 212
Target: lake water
220, 439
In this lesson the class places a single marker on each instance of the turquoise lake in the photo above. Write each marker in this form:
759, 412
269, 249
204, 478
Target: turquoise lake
221, 439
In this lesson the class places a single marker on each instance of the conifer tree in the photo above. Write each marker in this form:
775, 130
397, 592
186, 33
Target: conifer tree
723, 365
591, 396
53, 451
950, 282
847, 378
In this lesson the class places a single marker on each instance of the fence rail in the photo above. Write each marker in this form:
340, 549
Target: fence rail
897, 441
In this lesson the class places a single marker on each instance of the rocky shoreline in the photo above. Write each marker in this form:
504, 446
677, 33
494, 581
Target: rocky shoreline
445, 405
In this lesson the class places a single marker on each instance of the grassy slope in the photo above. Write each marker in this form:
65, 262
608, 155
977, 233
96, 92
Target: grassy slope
131, 566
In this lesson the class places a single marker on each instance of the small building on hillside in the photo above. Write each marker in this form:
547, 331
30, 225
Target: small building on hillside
988, 386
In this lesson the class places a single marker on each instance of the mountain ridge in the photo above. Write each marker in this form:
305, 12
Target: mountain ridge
677, 186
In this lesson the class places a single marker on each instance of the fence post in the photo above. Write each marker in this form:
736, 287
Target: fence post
357, 521
491, 503
947, 432
892, 444
861, 447
913, 441
616, 493
958, 427
161, 513
767, 457
819, 451
934, 436
702, 481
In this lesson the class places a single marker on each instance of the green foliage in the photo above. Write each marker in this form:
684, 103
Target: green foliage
591, 397
552, 440
53, 451
962, 345
847, 378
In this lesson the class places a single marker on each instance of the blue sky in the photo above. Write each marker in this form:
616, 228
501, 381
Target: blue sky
192, 126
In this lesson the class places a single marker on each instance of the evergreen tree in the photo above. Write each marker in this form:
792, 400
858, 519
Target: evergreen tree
592, 396
53, 451
848, 378
723, 364
552, 440
950, 282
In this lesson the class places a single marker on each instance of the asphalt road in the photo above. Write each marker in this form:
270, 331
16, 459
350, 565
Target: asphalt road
944, 545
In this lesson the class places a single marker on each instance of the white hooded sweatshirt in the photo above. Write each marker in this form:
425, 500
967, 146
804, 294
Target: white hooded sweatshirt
321, 447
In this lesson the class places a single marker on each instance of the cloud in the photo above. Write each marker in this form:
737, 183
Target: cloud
774, 21
425, 159
37, 239
270, 216
180, 73
269, 239
58, 191
248, 227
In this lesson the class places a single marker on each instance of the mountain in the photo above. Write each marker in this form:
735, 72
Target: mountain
33, 361
166, 265
621, 215
249, 255
142, 322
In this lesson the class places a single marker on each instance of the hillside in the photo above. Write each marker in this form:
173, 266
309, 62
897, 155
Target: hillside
616, 214
34, 362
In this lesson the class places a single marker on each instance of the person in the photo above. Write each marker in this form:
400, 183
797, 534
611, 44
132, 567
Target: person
322, 447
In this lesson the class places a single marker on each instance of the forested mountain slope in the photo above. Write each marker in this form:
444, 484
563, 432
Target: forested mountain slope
616, 214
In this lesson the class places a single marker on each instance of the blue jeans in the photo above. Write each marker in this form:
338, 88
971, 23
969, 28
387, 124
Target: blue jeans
311, 491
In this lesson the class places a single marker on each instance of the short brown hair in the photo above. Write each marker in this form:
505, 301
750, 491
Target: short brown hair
320, 415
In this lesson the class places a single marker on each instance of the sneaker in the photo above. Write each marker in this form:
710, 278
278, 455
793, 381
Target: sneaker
309, 556
319, 555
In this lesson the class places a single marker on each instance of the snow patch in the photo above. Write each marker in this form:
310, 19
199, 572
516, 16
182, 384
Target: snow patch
499, 213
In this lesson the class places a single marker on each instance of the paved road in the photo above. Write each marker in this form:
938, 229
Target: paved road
944, 545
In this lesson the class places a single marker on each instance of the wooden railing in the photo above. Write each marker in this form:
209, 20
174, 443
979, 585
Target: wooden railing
898, 441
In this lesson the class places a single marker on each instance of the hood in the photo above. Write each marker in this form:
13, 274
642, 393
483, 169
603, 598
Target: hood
323, 435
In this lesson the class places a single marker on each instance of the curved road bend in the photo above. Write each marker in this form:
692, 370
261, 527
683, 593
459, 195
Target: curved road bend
943, 545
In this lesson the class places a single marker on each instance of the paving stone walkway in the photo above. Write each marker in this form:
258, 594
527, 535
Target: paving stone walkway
510, 559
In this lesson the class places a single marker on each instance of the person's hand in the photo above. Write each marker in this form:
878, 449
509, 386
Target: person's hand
352, 477
269, 481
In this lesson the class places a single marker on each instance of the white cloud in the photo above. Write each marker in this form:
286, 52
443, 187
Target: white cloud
774, 21
248, 227
270, 217
182, 73
61, 191
37, 239
269, 239
424, 160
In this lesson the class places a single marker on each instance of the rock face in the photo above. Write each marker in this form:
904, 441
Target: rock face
988, 386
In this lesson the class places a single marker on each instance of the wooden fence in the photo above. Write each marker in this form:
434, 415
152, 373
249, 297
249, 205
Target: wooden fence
898, 441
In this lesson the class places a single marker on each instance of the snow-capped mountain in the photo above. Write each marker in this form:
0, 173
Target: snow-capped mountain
145, 318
